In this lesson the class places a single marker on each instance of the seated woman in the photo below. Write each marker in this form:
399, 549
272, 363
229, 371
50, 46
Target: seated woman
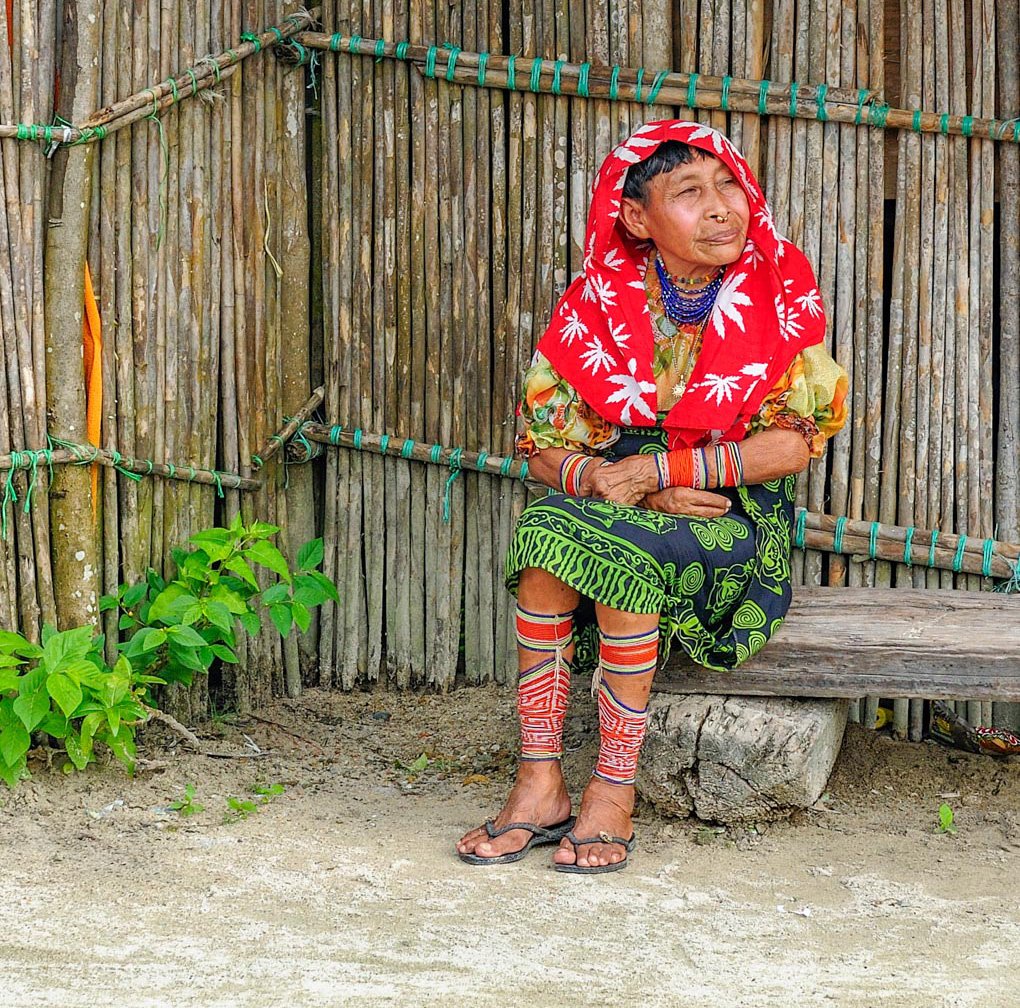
681, 384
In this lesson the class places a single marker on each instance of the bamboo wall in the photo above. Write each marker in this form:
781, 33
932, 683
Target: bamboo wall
426, 228
453, 216
205, 340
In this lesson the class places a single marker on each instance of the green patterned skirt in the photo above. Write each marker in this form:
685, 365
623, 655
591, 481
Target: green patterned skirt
720, 585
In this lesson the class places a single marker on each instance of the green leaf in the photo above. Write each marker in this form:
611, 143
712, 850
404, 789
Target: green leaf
66, 646
220, 616
186, 635
15, 643
272, 791
108, 602
310, 555
135, 594
14, 743
122, 745
276, 593
302, 617
225, 595
281, 617
325, 584
186, 657
163, 605
54, 724
420, 764
9, 680
946, 819
260, 530
251, 622
32, 708
241, 568
267, 555
66, 692
113, 720
75, 753
10, 774
154, 581
307, 591
150, 638
224, 654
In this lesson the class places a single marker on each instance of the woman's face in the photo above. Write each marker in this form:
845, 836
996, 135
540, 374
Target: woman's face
696, 215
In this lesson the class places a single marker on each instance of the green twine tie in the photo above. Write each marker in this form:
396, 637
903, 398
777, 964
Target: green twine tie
614, 84
535, 84
724, 98
384, 443
483, 58
557, 70
358, 435
380, 48
435, 454
334, 434
944, 123
763, 90
504, 469
451, 61
430, 61
253, 39
218, 482
877, 115
401, 50
524, 471
511, 72
837, 538
958, 557
480, 461
582, 80
637, 84
967, 126
931, 548
821, 113
794, 88
915, 121
455, 471
660, 79
862, 97
873, 541
799, 527
353, 47
987, 552
692, 91
908, 543
276, 31
407, 448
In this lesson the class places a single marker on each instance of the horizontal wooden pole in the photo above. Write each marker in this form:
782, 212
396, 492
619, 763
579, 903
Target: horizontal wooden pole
87, 455
885, 642
735, 94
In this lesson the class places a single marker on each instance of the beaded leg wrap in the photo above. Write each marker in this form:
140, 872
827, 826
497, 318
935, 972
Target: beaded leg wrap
621, 728
542, 690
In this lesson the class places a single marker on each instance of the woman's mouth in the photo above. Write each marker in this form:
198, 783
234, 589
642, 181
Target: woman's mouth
723, 237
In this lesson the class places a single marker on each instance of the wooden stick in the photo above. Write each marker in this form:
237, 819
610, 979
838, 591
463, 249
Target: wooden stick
841, 104
287, 431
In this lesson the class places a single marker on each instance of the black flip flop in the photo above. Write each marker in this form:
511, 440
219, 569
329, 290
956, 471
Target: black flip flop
539, 835
576, 869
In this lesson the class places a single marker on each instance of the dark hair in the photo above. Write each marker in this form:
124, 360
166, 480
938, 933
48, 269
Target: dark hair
665, 158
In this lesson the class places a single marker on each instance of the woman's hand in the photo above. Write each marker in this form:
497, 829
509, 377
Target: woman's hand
686, 501
625, 482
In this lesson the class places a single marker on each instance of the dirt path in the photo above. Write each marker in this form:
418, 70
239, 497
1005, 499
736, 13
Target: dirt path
344, 889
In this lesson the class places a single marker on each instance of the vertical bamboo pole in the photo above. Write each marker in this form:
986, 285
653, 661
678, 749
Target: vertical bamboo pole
75, 550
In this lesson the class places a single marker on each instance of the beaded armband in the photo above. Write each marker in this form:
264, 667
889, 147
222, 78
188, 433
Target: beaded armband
571, 470
804, 426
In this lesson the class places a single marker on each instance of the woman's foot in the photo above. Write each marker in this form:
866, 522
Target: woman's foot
539, 796
605, 808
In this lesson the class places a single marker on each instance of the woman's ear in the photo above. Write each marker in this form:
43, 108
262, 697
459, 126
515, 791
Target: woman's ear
632, 213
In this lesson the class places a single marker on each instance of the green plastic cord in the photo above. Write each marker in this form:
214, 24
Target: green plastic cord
253, 39
455, 471
660, 79
557, 70
637, 83
915, 122
401, 50
724, 98
908, 542
692, 91
430, 61
763, 90
582, 80
483, 58
873, 541
837, 538
821, 113
944, 123
958, 557
451, 61
380, 48
794, 88
535, 84
614, 84
511, 72
931, 548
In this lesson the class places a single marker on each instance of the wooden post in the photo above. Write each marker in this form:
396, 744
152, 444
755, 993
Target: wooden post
72, 516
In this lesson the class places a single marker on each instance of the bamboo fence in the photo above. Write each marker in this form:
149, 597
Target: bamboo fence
880, 153
394, 217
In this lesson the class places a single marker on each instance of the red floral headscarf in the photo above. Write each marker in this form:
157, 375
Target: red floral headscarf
767, 310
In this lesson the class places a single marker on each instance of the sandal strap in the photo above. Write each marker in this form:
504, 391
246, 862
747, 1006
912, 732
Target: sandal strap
539, 831
627, 845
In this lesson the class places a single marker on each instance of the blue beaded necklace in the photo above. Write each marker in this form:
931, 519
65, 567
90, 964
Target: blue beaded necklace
686, 309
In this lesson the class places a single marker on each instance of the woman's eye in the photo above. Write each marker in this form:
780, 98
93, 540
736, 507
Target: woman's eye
727, 181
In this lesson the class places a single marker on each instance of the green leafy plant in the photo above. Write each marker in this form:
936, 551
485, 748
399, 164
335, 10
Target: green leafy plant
64, 688
186, 806
241, 808
946, 824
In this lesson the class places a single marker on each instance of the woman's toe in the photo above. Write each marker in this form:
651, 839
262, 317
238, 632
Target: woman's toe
564, 854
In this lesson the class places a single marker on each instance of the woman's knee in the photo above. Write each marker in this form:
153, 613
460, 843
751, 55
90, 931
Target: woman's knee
537, 590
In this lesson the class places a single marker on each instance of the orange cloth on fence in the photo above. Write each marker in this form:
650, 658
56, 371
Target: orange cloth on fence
92, 354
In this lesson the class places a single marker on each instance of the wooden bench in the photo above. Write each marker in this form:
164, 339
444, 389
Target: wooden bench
748, 745
888, 642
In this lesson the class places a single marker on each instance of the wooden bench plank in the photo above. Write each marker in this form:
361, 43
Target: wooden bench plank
889, 642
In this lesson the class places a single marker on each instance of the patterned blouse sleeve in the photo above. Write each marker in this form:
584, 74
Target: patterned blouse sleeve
553, 415
810, 398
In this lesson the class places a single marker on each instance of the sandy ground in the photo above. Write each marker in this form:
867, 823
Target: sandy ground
344, 889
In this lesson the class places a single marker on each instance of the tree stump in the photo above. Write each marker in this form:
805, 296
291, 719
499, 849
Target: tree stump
738, 759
